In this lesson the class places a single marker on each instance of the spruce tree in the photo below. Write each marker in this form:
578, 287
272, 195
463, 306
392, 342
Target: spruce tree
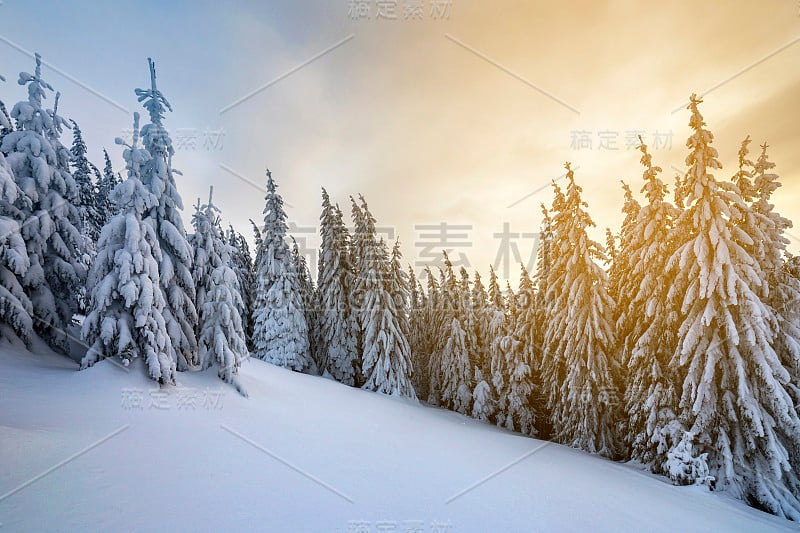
334, 283
783, 288
734, 399
432, 336
221, 338
91, 219
15, 306
308, 296
647, 328
175, 268
280, 331
50, 225
579, 339
456, 367
242, 264
386, 362
125, 316
105, 207
5, 119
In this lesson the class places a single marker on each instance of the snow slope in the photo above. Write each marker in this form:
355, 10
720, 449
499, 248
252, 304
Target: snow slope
301, 454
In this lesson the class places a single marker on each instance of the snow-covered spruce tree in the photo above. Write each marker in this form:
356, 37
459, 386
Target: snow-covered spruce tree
258, 240
386, 355
416, 337
519, 412
280, 331
484, 399
647, 327
496, 329
525, 325
50, 225
91, 220
106, 184
15, 306
621, 288
386, 362
453, 353
550, 286
734, 399
221, 338
338, 339
456, 371
175, 267
5, 119
432, 320
125, 316
783, 288
482, 363
242, 264
308, 296
580, 337
363, 236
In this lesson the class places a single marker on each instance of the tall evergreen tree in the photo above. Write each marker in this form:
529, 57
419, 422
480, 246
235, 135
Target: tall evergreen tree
579, 338
308, 297
126, 308
56, 248
105, 207
456, 367
221, 335
386, 363
242, 264
175, 268
734, 400
782, 287
5, 119
15, 306
91, 220
646, 327
334, 283
280, 331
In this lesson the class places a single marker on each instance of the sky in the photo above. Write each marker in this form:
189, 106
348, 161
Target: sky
451, 120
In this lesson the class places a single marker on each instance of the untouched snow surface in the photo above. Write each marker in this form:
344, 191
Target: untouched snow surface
301, 454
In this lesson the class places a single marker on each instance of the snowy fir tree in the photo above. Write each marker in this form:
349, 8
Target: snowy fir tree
91, 218
456, 372
417, 337
6, 126
646, 326
734, 401
334, 283
242, 264
578, 363
15, 306
783, 289
105, 207
280, 331
56, 248
308, 296
221, 338
177, 284
484, 399
125, 316
518, 413
386, 355
432, 335
525, 326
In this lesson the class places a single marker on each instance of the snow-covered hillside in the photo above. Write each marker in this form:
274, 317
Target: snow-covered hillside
301, 454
